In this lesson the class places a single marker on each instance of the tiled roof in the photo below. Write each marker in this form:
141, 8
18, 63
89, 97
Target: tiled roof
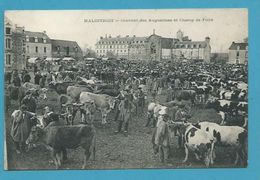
40, 36
121, 40
234, 46
190, 44
64, 43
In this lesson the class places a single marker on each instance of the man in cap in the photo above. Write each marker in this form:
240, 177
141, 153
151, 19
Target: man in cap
29, 101
22, 123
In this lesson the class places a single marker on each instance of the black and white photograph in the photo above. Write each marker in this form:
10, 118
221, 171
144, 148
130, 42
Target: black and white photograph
125, 89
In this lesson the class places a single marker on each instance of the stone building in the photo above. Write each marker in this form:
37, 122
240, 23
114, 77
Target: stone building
238, 53
154, 48
38, 45
8, 46
14, 46
64, 48
19, 48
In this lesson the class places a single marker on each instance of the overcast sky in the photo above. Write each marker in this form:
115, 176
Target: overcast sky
223, 26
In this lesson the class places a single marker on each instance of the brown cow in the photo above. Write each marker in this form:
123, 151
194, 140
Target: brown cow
60, 138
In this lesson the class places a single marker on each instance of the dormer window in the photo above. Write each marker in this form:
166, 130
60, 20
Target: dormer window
8, 31
36, 39
27, 38
238, 47
44, 40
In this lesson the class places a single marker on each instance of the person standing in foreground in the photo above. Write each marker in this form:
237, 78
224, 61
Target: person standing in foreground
21, 127
125, 107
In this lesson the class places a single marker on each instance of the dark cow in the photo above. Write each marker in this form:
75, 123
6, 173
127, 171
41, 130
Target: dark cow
186, 95
60, 138
60, 87
232, 107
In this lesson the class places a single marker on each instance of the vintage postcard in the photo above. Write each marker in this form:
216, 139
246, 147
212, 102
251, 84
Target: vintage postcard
126, 89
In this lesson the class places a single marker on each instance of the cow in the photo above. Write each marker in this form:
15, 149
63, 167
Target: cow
154, 109
59, 138
232, 136
28, 85
200, 142
60, 87
186, 95
103, 102
203, 92
74, 91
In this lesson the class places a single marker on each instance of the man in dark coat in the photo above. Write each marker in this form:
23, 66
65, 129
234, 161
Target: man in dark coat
37, 78
30, 102
26, 77
16, 80
21, 127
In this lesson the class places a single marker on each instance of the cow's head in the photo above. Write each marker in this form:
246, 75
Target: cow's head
34, 136
211, 101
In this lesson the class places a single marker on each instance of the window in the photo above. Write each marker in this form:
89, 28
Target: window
8, 59
8, 43
44, 49
97, 51
67, 50
8, 30
36, 49
36, 39
27, 38
44, 40
237, 53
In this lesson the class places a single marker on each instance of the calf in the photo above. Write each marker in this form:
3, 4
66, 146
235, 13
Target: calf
233, 136
59, 138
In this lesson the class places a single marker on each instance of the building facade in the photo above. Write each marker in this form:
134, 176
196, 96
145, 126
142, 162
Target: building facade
38, 45
238, 53
14, 46
64, 48
19, 48
8, 45
154, 48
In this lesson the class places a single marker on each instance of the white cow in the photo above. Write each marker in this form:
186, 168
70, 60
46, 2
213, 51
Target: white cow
200, 142
103, 102
233, 136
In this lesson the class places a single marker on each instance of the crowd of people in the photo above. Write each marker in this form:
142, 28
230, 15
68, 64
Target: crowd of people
136, 82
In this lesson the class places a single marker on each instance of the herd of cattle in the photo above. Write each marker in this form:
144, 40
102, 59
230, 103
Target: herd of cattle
227, 97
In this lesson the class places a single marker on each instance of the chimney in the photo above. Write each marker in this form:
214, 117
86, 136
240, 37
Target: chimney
109, 36
44, 32
101, 37
207, 39
133, 35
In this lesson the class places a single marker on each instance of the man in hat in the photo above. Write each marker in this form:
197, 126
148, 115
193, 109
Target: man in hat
126, 106
141, 99
30, 102
22, 123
